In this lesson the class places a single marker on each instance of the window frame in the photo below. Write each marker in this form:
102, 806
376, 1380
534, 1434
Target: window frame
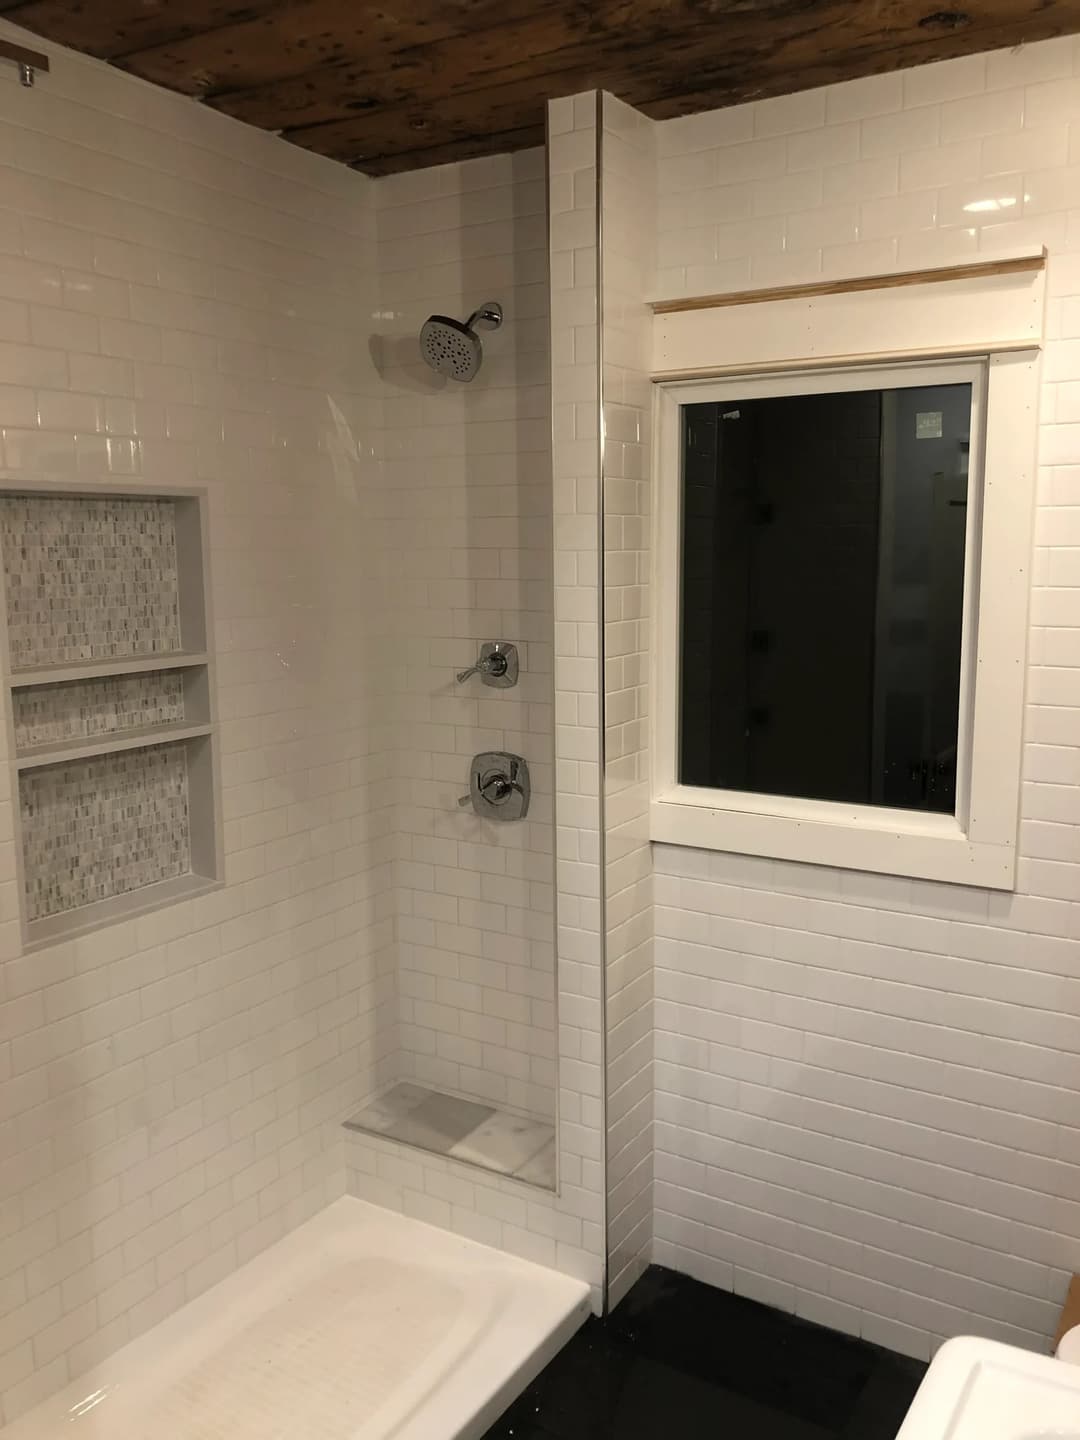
977, 844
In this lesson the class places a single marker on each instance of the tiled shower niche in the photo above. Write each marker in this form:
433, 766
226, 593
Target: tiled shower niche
109, 702
93, 829
106, 705
89, 578
51, 719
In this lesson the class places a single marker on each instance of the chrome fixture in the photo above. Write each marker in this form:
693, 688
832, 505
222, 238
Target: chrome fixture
497, 665
453, 348
26, 62
499, 787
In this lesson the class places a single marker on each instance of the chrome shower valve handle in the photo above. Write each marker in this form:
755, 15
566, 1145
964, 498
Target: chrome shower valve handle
499, 787
497, 665
494, 789
486, 665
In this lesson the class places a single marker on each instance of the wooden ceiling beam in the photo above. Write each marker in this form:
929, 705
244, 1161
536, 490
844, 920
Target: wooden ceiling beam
803, 55
300, 37
378, 137
665, 72
422, 99
544, 50
111, 29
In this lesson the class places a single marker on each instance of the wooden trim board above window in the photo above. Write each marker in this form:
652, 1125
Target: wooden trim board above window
979, 269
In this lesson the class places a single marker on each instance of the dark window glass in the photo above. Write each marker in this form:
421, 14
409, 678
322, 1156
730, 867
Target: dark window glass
822, 594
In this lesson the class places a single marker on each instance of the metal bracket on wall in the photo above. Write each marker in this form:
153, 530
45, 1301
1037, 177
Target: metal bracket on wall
29, 62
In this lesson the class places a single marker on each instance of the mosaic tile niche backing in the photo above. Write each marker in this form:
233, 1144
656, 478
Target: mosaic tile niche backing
89, 578
82, 709
102, 827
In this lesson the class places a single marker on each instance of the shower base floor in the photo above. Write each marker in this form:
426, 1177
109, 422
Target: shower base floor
360, 1325
465, 1130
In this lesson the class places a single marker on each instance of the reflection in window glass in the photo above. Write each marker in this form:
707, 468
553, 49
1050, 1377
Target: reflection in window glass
822, 594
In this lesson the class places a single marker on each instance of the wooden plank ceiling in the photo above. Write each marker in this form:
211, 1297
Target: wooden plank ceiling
388, 85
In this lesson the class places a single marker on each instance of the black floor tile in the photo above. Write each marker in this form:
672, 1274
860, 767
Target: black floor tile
681, 1357
884, 1402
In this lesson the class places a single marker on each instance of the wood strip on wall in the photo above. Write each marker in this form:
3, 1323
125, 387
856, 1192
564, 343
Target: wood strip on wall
979, 269
21, 56
1070, 1314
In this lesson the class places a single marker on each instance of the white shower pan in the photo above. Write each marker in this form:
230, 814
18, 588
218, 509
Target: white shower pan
360, 1325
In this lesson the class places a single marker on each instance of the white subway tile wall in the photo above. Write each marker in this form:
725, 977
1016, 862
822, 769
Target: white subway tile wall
889, 172
565, 1229
185, 300
465, 527
865, 1086
628, 164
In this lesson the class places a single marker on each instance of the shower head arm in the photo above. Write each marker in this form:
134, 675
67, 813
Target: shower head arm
488, 317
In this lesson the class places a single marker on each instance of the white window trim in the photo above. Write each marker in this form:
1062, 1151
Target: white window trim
977, 846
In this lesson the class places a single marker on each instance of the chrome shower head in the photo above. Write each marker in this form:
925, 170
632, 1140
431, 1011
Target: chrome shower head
450, 347
453, 348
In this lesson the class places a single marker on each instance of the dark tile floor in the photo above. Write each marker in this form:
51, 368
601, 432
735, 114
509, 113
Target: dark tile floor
679, 1359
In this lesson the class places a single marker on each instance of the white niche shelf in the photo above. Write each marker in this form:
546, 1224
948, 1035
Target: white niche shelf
110, 703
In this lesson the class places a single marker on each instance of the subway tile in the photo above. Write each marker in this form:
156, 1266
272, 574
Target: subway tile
1027, 149
814, 228
861, 258
980, 202
886, 135
943, 165
32, 366
862, 180
946, 80
1050, 102
756, 160
979, 115
14, 321
857, 99
787, 194
1027, 65
64, 329
784, 114
931, 249
824, 147
891, 217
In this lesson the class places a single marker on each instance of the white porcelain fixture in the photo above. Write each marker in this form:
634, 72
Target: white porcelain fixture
980, 1390
360, 1325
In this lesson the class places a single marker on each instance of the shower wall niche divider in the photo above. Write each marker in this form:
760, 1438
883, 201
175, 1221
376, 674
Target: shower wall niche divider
109, 701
